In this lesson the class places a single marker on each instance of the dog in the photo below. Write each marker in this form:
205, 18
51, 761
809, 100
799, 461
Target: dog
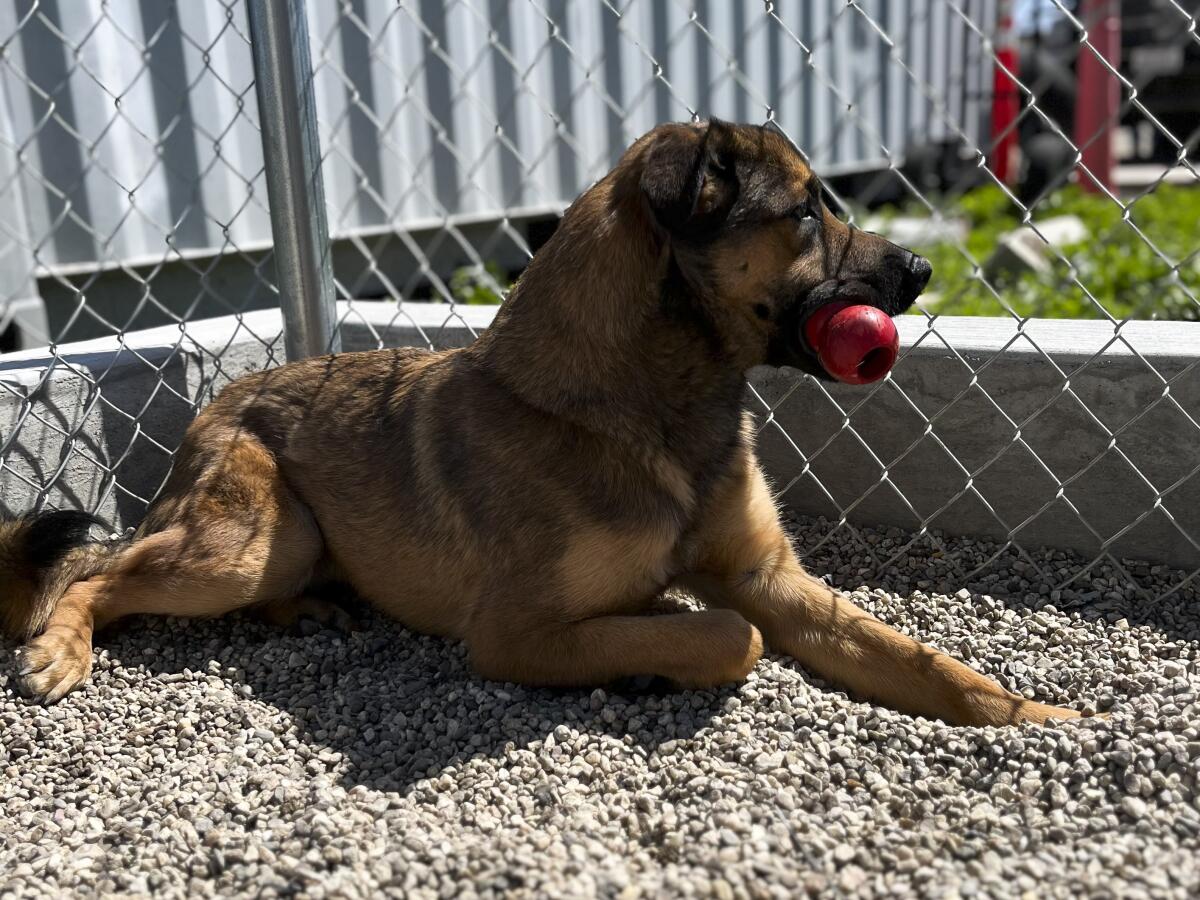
534, 493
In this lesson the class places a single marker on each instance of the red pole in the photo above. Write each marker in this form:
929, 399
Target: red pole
1098, 92
1006, 99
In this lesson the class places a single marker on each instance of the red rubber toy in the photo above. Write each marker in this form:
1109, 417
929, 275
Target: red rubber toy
856, 344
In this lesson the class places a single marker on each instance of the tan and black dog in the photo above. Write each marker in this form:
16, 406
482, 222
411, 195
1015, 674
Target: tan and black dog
534, 493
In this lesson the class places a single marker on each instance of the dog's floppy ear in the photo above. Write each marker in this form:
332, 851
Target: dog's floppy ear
689, 178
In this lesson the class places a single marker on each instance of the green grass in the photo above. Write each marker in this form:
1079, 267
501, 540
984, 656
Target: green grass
1116, 265
469, 285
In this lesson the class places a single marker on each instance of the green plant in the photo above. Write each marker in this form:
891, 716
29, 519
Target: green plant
471, 284
1115, 264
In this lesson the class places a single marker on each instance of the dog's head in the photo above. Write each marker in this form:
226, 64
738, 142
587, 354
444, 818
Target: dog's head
752, 246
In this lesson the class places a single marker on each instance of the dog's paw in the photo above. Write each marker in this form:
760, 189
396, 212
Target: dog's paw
1041, 713
54, 664
734, 649
307, 614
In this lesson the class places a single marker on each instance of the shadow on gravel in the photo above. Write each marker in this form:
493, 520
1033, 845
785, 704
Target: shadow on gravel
398, 706
1163, 598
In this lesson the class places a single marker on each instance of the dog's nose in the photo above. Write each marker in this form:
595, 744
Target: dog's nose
917, 271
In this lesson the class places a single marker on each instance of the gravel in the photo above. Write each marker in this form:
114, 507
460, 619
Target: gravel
225, 758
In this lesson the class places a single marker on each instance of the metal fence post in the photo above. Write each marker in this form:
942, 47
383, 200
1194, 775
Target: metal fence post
287, 112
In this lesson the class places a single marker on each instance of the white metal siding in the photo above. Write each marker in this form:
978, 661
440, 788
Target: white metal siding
131, 148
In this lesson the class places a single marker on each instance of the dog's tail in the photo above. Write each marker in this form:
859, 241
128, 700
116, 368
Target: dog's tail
41, 555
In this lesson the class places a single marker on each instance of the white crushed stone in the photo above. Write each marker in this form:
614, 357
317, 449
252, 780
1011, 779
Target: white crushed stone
224, 758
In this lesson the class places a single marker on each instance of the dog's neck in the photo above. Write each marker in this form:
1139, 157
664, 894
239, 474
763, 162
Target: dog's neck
601, 330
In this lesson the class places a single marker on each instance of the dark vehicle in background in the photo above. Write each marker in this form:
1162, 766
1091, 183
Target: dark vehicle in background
1160, 57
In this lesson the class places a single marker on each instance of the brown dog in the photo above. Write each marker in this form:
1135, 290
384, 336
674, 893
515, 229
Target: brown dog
533, 493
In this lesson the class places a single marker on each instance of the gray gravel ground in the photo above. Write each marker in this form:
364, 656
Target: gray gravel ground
224, 758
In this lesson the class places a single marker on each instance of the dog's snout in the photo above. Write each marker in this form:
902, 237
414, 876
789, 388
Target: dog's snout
917, 272
920, 270
898, 274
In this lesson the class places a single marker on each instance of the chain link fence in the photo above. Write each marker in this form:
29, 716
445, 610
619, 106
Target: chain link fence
130, 195
453, 133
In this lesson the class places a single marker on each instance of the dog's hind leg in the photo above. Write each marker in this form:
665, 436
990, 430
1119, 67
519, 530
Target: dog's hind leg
234, 537
290, 612
693, 649
747, 563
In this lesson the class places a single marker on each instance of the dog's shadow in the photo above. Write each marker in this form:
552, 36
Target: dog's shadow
398, 707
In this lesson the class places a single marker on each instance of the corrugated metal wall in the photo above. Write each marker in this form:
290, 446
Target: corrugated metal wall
130, 124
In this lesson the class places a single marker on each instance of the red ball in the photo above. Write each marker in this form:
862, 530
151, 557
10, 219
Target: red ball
856, 344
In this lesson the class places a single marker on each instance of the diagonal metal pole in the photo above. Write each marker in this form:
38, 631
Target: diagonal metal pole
287, 113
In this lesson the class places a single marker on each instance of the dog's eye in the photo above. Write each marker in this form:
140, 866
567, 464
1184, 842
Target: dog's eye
803, 212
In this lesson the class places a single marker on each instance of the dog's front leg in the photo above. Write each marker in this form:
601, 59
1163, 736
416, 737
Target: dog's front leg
746, 562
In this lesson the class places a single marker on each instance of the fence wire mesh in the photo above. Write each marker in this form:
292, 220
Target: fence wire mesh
454, 132
130, 178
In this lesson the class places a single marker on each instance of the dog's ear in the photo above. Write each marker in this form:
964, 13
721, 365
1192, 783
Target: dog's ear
689, 178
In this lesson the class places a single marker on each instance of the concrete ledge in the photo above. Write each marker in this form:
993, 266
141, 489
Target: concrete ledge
1073, 435
95, 428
